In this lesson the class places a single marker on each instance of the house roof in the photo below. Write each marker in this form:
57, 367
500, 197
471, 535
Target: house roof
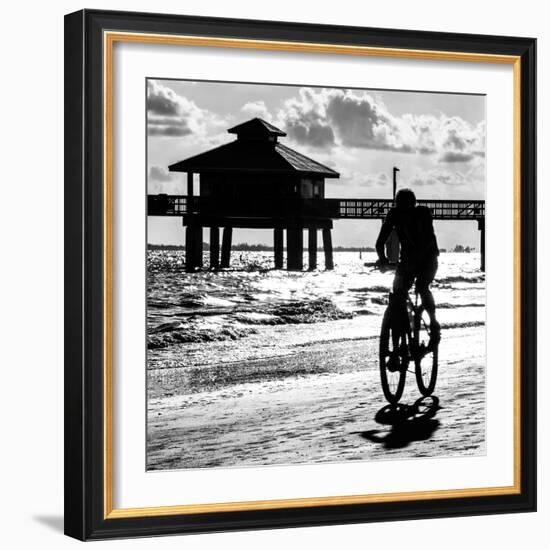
258, 155
256, 126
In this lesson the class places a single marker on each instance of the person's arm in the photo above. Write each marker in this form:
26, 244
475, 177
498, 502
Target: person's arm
385, 232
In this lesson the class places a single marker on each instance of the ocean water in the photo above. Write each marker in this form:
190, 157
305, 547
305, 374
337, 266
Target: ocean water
252, 311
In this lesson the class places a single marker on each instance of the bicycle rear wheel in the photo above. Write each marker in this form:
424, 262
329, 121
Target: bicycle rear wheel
426, 353
394, 357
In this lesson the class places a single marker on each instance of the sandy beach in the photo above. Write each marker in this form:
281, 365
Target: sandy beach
256, 366
317, 403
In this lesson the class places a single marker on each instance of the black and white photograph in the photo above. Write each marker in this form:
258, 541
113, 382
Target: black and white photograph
315, 274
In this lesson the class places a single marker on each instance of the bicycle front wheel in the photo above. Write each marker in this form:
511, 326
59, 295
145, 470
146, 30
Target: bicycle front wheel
426, 353
394, 357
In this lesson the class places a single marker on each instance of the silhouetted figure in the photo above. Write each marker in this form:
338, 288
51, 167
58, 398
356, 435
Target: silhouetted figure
418, 251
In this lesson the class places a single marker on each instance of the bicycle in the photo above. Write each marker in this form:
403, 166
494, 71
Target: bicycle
406, 336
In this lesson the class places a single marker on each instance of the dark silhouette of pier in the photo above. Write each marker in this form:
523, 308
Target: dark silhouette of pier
256, 182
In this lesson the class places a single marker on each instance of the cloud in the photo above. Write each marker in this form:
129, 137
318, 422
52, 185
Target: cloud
163, 101
460, 142
326, 118
160, 174
172, 115
168, 127
456, 156
438, 177
305, 119
375, 180
160, 180
256, 109
445, 180
354, 179
315, 135
361, 122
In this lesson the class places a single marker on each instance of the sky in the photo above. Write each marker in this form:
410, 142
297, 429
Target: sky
437, 140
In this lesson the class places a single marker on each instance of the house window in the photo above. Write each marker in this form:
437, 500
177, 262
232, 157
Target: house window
306, 188
317, 190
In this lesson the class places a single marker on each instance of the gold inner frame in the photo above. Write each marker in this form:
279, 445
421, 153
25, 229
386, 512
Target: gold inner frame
109, 39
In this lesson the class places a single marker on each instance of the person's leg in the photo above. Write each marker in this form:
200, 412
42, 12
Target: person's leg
428, 302
423, 281
402, 283
398, 307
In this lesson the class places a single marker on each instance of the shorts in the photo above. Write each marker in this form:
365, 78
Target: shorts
407, 274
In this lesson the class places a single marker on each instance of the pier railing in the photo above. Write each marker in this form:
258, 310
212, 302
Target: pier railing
378, 208
182, 205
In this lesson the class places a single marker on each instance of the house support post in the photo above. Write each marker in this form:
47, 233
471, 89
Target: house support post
295, 249
190, 193
312, 248
226, 245
278, 244
327, 247
190, 184
189, 249
198, 245
214, 247
193, 246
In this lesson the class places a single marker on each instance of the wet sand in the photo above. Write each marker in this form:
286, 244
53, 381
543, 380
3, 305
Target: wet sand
322, 403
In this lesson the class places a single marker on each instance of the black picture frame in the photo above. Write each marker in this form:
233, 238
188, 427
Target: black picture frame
85, 493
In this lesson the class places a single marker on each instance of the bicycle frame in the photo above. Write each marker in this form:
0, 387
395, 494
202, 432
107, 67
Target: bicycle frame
403, 344
412, 309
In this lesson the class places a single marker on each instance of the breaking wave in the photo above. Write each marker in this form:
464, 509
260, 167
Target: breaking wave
181, 334
255, 302
446, 305
476, 278
242, 322
464, 324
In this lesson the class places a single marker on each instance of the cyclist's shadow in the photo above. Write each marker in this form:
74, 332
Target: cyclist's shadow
407, 423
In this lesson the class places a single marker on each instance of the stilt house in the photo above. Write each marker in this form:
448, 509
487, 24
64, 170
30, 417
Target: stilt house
256, 182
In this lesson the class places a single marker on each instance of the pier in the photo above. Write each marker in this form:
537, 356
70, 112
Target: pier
204, 211
257, 182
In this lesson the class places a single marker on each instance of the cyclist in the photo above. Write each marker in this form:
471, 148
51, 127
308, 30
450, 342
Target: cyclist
418, 255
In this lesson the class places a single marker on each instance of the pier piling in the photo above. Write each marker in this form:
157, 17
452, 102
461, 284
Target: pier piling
327, 247
226, 245
198, 246
278, 245
189, 249
312, 248
295, 249
481, 227
214, 247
